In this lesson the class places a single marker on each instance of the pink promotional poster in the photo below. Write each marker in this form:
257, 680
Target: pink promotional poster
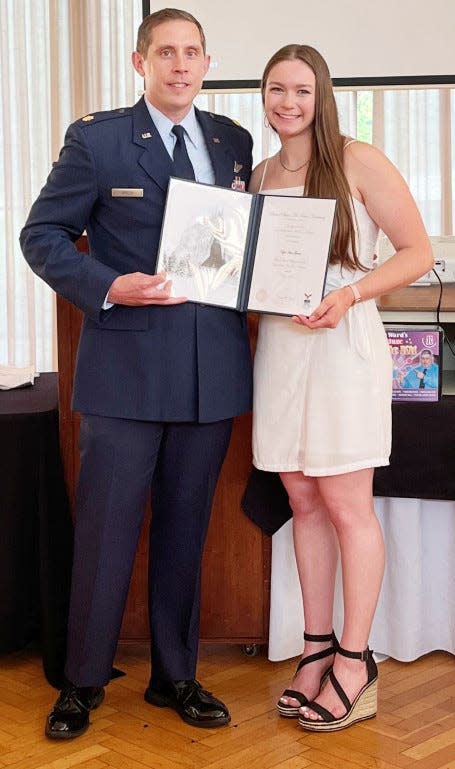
417, 362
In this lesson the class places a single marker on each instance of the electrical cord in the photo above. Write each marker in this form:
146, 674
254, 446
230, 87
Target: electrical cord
438, 310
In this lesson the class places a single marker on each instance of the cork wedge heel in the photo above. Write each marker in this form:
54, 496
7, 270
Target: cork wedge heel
364, 705
292, 711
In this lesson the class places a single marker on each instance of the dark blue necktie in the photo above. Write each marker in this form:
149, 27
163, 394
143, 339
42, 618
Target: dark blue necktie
182, 164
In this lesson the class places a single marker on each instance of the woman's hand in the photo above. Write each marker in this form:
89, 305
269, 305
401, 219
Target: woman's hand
330, 311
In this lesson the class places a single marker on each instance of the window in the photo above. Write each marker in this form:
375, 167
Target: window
75, 58
414, 127
58, 60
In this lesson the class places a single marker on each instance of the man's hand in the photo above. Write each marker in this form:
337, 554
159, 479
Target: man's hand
137, 289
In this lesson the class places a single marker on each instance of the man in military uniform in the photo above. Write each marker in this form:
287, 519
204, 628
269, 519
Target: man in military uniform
158, 380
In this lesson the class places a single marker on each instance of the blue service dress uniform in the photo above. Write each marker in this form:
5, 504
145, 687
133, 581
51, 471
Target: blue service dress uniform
157, 386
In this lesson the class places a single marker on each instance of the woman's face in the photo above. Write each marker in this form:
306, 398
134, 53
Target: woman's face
289, 98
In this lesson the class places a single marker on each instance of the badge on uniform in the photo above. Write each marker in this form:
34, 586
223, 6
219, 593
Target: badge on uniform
127, 192
238, 184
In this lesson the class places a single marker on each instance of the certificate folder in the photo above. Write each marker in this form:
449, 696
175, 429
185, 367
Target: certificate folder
244, 251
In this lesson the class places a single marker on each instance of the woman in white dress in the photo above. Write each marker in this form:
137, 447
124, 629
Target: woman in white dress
322, 409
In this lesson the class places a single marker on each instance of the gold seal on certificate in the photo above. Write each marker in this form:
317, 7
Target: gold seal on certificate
229, 248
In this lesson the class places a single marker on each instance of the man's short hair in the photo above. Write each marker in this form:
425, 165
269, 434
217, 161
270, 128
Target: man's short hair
144, 34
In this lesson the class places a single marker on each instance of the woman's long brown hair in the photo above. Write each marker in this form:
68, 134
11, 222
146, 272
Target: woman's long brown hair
325, 176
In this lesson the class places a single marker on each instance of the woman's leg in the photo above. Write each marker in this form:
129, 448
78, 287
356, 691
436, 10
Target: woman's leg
316, 552
349, 501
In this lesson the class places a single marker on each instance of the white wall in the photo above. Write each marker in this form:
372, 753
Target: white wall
358, 38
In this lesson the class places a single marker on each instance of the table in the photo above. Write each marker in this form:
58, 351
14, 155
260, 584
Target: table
36, 540
422, 462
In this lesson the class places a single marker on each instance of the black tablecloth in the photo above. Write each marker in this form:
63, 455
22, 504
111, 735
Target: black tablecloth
422, 464
36, 534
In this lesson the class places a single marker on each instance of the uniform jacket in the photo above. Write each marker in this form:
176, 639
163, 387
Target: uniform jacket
178, 363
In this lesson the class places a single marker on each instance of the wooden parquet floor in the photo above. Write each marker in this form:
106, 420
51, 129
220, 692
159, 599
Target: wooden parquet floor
415, 726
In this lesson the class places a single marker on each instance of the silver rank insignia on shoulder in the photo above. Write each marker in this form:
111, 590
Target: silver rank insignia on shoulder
216, 140
237, 167
238, 184
146, 135
87, 118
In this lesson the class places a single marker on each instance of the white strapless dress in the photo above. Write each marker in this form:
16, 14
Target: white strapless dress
322, 398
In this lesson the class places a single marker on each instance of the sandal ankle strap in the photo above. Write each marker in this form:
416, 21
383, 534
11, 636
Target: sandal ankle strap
320, 638
363, 655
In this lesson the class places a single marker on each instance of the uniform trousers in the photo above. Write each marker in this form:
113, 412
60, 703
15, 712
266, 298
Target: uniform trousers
121, 460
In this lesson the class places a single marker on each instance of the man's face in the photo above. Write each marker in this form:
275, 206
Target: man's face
174, 67
426, 359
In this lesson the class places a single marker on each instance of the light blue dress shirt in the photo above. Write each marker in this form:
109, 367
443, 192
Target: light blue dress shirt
412, 381
194, 141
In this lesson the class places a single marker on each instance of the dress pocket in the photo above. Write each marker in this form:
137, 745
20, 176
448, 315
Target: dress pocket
358, 325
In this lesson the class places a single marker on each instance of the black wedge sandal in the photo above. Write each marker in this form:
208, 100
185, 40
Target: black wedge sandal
364, 705
291, 711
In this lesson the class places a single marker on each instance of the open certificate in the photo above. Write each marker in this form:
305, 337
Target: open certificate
267, 253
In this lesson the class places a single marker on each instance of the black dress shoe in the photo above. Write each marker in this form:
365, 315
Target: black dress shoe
69, 716
195, 705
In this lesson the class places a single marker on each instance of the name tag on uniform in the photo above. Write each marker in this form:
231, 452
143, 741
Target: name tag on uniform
127, 192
